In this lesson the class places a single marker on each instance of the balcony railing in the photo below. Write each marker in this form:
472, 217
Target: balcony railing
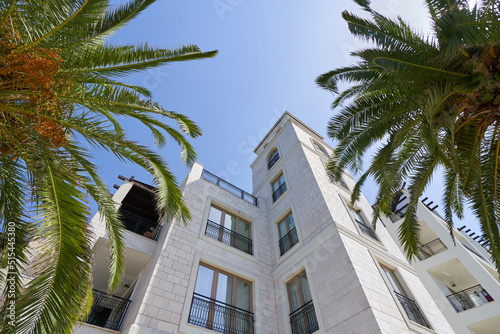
220, 317
469, 298
140, 225
412, 310
273, 161
229, 187
107, 311
303, 319
278, 192
431, 248
288, 241
229, 237
474, 252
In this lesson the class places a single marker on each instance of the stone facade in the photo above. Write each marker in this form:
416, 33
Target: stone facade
346, 282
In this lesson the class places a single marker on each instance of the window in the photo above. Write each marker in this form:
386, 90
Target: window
229, 229
302, 317
363, 226
340, 181
287, 233
221, 302
409, 305
273, 157
320, 149
279, 187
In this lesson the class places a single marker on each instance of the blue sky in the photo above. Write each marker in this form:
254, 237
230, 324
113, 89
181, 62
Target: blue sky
270, 53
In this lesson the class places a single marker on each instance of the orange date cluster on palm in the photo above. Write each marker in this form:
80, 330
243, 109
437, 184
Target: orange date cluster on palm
29, 86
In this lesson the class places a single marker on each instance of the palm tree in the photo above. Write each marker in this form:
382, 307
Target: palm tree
430, 103
60, 88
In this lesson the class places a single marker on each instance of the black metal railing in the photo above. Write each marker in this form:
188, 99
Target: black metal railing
469, 298
278, 192
412, 310
107, 311
229, 187
229, 237
473, 251
140, 225
220, 317
288, 241
273, 160
434, 247
303, 319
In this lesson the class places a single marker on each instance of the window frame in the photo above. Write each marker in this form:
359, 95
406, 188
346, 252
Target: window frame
288, 230
274, 180
210, 320
320, 148
221, 228
354, 212
402, 289
213, 292
271, 156
296, 279
238, 218
341, 182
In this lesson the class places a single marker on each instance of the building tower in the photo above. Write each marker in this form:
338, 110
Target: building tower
293, 257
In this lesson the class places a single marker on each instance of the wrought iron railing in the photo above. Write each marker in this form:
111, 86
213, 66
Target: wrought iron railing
220, 317
273, 160
229, 187
412, 310
229, 237
288, 241
434, 247
278, 192
469, 298
303, 319
140, 225
107, 311
473, 251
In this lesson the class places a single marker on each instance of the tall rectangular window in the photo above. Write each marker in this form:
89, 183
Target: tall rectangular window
287, 233
278, 186
221, 302
302, 317
229, 229
409, 305
362, 224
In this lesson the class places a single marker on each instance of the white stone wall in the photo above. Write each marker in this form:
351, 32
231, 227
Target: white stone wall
166, 302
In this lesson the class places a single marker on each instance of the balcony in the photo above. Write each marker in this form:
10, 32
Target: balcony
474, 252
229, 187
303, 320
278, 192
220, 317
412, 310
140, 225
469, 298
107, 311
229, 237
432, 248
288, 241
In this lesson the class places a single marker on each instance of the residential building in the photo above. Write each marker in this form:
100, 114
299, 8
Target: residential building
293, 257
458, 273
